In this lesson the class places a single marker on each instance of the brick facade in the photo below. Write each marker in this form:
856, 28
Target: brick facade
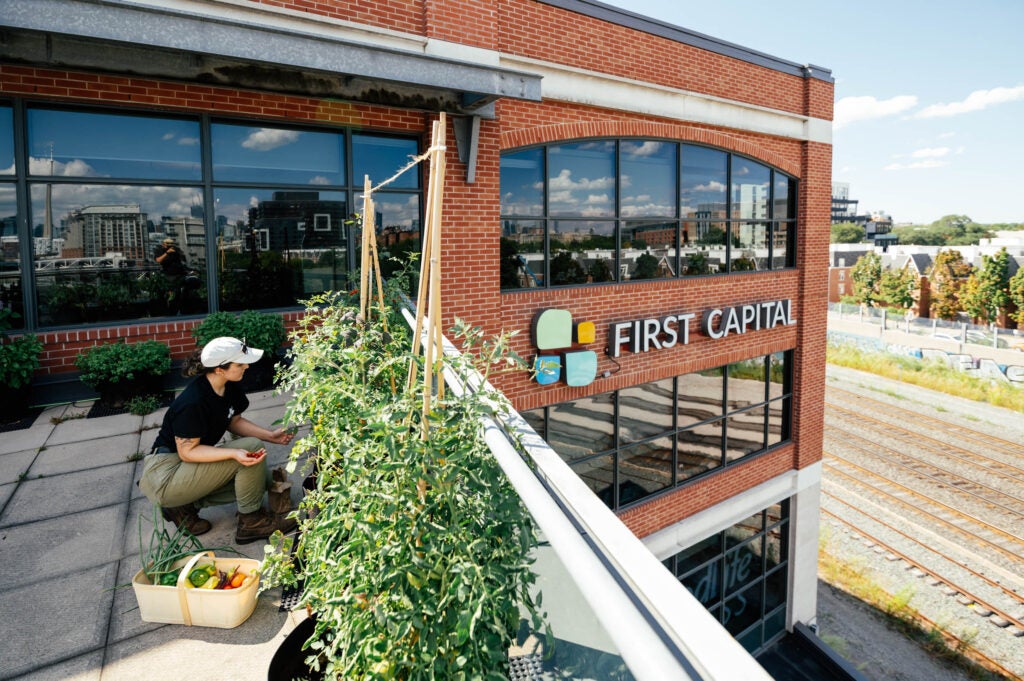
536, 30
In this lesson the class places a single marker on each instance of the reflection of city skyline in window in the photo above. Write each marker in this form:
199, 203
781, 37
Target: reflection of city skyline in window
106, 189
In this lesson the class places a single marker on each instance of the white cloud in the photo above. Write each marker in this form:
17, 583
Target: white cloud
947, 135
168, 136
851, 109
75, 168
976, 101
934, 152
188, 141
564, 181
265, 139
645, 149
917, 165
319, 179
713, 186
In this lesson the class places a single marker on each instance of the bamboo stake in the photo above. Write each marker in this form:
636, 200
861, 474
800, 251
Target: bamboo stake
364, 256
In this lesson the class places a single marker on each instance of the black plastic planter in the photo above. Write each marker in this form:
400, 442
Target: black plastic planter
289, 662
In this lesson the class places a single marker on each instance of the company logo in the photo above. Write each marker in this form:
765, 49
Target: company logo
552, 331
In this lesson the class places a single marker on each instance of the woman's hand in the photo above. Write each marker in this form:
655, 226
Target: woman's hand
280, 436
247, 458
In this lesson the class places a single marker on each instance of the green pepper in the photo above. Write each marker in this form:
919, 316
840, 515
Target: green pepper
199, 575
169, 579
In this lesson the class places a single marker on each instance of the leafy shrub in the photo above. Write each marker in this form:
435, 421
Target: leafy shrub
259, 330
116, 362
19, 357
141, 405
415, 552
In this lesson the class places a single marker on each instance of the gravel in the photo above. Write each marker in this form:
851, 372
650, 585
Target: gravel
872, 645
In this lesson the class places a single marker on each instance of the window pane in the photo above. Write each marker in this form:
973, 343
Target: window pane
775, 589
645, 410
535, 417
581, 179
649, 249
742, 610
774, 624
777, 371
746, 383
781, 252
522, 183
95, 261
705, 252
700, 396
744, 434
583, 252
381, 157
598, 473
398, 231
743, 566
648, 178
749, 246
750, 182
696, 555
706, 584
6, 141
783, 199
751, 640
277, 247
10, 263
776, 545
82, 144
644, 469
581, 428
251, 153
522, 254
778, 421
699, 449
703, 183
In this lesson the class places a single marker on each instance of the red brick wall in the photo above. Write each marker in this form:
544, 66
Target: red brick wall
397, 15
532, 29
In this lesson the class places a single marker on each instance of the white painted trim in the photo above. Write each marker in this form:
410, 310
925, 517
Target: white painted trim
673, 539
591, 88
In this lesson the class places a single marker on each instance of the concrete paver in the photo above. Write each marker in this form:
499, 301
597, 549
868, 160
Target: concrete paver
69, 519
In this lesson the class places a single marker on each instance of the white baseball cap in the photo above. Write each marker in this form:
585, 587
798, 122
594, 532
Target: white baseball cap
225, 349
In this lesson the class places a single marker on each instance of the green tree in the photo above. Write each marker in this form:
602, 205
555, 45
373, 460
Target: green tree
896, 287
847, 233
565, 269
947, 277
988, 289
646, 267
599, 270
867, 275
1016, 291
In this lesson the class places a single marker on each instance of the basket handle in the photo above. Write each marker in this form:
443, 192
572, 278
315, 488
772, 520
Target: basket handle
182, 576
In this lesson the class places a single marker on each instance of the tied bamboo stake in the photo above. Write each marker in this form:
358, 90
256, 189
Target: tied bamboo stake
429, 294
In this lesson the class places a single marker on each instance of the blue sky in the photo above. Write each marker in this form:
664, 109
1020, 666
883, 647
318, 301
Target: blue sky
929, 95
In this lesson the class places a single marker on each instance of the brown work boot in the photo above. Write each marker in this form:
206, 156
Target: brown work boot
187, 516
260, 525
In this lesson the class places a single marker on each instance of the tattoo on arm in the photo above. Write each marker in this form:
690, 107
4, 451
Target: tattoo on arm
185, 444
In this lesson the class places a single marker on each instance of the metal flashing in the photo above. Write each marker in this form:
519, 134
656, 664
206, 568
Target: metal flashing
662, 29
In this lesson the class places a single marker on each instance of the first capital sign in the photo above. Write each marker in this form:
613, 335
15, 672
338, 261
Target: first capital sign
655, 333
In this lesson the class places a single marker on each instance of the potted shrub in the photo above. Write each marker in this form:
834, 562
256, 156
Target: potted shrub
259, 330
19, 359
415, 550
121, 371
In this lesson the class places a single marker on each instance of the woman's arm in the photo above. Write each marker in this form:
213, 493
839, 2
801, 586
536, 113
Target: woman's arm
189, 450
243, 427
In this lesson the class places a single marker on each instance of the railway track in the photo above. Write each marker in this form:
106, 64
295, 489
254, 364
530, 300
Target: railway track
943, 498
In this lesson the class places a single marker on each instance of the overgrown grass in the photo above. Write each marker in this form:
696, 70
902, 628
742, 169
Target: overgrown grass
854, 578
932, 374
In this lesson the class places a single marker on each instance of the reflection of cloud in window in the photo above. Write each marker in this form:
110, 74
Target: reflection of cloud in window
629, 211
265, 139
742, 170
155, 201
594, 212
319, 179
562, 197
598, 199
643, 149
188, 141
565, 181
713, 186
76, 168
167, 136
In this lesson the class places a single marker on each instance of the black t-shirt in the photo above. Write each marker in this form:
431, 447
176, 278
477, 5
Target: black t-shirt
199, 412
174, 263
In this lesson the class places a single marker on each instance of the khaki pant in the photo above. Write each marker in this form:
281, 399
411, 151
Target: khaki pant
170, 482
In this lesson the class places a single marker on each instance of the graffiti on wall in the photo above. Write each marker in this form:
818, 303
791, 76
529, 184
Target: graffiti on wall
981, 367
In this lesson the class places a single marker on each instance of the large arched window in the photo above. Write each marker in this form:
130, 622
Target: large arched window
594, 211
